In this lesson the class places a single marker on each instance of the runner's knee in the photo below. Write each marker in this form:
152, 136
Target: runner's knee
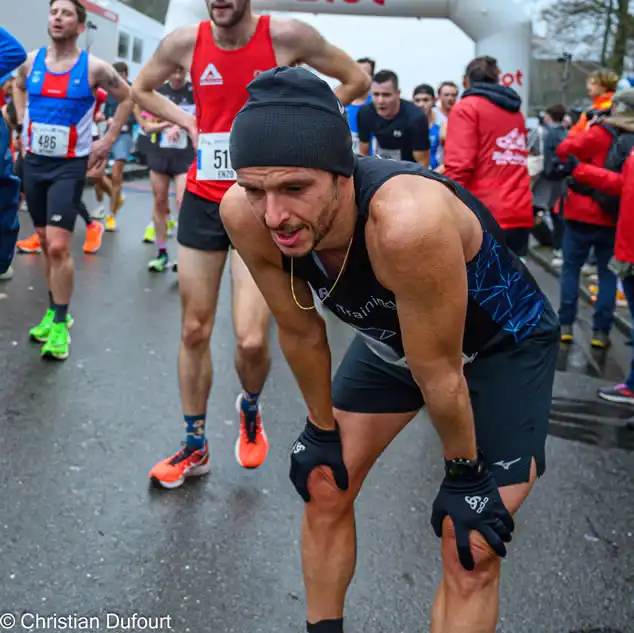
252, 347
197, 328
161, 203
57, 248
328, 503
457, 578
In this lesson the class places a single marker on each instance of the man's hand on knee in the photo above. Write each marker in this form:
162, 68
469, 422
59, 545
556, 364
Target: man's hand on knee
317, 447
474, 503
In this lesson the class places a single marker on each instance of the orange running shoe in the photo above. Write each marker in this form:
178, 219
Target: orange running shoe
252, 445
172, 472
30, 244
94, 236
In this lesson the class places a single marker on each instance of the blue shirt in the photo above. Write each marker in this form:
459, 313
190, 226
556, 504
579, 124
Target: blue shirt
12, 53
353, 113
434, 143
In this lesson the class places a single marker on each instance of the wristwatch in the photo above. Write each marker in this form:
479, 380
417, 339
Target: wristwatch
464, 469
19, 127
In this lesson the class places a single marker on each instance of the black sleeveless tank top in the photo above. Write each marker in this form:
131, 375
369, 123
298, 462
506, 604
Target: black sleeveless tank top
504, 303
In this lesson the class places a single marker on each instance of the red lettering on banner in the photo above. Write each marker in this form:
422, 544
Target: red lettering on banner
379, 2
508, 79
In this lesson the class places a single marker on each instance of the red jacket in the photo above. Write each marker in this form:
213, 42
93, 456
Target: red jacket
485, 152
591, 147
615, 184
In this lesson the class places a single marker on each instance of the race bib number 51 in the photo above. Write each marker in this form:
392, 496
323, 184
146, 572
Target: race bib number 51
49, 140
213, 157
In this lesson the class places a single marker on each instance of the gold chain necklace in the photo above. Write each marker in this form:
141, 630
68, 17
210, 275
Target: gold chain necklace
343, 266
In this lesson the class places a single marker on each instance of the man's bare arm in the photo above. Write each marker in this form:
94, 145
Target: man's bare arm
19, 88
148, 126
364, 148
106, 77
301, 333
421, 157
306, 45
174, 52
431, 298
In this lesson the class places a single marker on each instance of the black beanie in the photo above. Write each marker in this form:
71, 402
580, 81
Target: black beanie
292, 118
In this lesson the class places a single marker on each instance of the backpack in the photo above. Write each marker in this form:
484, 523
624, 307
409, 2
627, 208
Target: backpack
554, 169
621, 148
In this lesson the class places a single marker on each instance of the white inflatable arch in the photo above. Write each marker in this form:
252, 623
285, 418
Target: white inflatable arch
500, 28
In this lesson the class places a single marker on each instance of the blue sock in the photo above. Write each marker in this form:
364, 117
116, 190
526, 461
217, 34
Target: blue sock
249, 404
195, 431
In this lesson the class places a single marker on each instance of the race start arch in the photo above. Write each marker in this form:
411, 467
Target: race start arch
499, 28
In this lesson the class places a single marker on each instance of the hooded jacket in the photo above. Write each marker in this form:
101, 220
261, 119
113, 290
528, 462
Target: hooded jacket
485, 151
591, 147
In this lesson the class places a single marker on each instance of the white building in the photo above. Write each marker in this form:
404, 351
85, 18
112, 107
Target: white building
138, 36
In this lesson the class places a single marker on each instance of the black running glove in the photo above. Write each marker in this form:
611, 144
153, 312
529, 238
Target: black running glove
473, 503
317, 447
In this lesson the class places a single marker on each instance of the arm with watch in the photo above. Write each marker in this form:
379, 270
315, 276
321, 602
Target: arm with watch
431, 302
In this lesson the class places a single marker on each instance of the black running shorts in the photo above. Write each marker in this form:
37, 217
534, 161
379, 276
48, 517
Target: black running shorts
53, 188
168, 161
200, 226
517, 240
510, 389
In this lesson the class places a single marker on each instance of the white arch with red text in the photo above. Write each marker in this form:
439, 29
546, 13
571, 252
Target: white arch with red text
499, 28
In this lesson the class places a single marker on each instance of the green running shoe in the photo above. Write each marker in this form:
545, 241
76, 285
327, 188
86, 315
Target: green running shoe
159, 264
58, 344
40, 332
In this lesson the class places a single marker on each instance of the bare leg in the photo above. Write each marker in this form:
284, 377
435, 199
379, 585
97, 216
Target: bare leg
160, 189
60, 264
251, 320
199, 276
117, 184
180, 182
328, 529
467, 602
41, 231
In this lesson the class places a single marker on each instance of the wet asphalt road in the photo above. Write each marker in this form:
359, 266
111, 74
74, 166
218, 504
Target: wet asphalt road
82, 533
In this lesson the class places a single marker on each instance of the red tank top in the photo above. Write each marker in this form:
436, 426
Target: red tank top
219, 79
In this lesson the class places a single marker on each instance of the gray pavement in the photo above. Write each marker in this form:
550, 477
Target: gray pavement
82, 533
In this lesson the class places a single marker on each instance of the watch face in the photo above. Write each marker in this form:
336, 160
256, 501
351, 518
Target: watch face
462, 468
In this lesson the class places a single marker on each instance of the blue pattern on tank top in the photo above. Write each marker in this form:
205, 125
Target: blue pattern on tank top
500, 289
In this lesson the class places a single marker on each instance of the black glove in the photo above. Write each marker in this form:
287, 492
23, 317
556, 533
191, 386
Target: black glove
316, 447
473, 503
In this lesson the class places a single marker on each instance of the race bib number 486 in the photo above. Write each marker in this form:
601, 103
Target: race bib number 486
49, 140
213, 157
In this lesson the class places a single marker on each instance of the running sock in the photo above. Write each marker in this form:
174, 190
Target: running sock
249, 404
162, 249
51, 303
325, 626
195, 431
60, 313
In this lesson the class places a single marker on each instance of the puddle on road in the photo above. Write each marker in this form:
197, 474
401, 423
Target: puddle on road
592, 422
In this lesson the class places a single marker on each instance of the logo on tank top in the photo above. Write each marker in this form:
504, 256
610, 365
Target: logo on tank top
211, 76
